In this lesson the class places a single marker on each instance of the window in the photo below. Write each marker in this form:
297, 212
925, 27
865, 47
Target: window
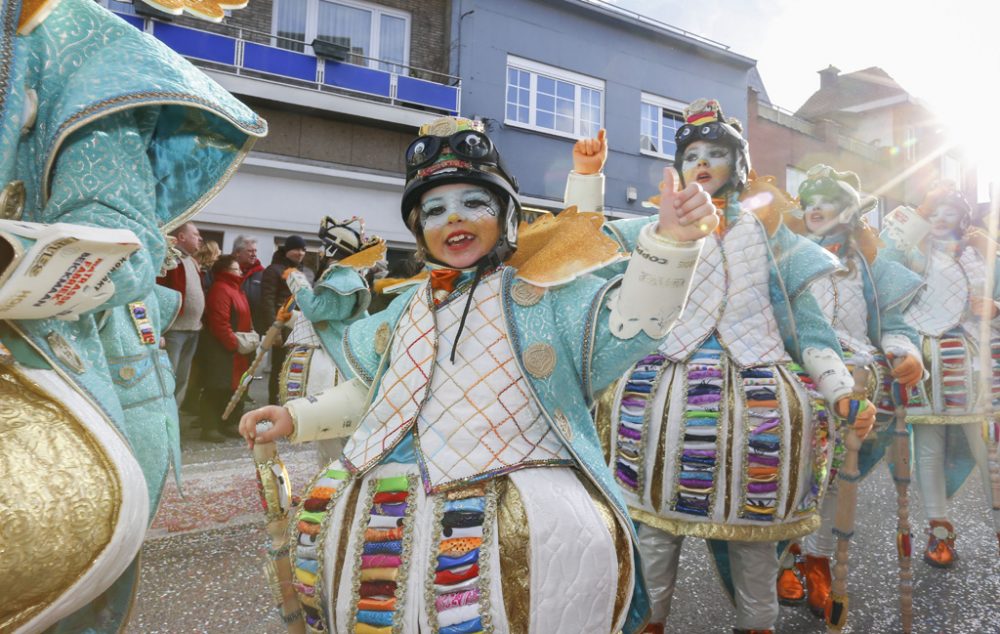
660, 120
376, 36
910, 143
553, 100
951, 170
794, 177
126, 7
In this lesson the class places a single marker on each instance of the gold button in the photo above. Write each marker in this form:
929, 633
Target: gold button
525, 294
64, 352
12, 201
563, 424
539, 360
382, 338
127, 373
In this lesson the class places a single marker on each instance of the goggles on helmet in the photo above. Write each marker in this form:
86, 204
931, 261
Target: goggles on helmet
469, 145
712, 131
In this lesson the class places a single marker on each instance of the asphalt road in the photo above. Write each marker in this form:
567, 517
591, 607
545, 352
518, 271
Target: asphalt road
203, 558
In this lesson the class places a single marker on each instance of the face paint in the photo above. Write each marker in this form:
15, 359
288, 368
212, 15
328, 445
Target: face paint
820, 214
945, 222
709, 164
459, 222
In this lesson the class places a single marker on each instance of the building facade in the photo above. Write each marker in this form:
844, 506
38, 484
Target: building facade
864, 122
544, 73
341, 114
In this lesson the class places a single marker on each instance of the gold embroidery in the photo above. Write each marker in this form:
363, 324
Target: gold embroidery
602, 418
514, 541
728, 532
12, 201
58, 483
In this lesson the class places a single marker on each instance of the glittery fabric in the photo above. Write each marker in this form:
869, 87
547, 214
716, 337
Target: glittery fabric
58, 481
127, 135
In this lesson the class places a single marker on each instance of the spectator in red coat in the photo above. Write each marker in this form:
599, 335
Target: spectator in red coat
230, 343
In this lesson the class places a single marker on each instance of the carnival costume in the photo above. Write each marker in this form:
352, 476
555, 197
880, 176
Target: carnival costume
963, 389
864, 303
103, 128
721, 432
473, 496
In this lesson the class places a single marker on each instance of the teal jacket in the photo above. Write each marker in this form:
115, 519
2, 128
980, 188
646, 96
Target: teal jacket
126, 135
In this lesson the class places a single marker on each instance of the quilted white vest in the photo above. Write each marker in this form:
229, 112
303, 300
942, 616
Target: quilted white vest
730, 295
474, 417
940, 306
841, 297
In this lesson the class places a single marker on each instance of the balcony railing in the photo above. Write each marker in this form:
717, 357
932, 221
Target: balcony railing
244, 57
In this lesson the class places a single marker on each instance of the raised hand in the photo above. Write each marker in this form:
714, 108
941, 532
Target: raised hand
589, 155
983, 307
685, 215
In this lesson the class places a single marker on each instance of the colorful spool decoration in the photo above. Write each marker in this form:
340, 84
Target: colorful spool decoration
821, 442
954, 373
143, 326
763, 431
695, 483
633, 417
308, 548
460, 595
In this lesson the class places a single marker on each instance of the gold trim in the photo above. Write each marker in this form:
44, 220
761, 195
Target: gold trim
945, 419
514, 544
728, 532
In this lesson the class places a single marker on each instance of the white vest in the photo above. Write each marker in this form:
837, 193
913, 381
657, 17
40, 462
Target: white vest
474, 417
737, 306
841, 298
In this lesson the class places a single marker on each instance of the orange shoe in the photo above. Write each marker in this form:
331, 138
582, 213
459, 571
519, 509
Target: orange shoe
653, 628
791, 590
940, 551
818, 583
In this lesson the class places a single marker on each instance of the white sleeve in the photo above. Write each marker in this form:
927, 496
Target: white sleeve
655, 286
833, 379
585, 191
331, 413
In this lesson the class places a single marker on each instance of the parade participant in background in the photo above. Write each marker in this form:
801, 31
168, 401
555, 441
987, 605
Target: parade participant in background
273, 295
963, 389
185, 278
308, 367
106, 129
472, 495
864, 303
716, 433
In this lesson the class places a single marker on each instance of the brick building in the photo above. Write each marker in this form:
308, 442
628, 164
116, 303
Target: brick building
340, 116
862, 121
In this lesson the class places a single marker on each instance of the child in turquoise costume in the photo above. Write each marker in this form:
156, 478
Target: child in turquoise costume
472, 496
958, 319
864, 303
100, 126
716, 433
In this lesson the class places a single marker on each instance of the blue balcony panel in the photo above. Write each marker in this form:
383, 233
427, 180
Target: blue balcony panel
359, 78
194, 43
278, 61
426, 93
135, 20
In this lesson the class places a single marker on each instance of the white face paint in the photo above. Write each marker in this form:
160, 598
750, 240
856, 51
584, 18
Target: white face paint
460, 223
470, 203
709, 164
821, 214
945, 222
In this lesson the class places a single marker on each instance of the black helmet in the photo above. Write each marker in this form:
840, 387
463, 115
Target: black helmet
457, 150
705, 122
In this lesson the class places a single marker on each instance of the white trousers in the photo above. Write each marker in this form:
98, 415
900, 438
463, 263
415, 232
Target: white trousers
929, 456
755, 577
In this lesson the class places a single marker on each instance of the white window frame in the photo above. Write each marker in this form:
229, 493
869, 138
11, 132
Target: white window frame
910, 133
534, 69
664, 103
377, 10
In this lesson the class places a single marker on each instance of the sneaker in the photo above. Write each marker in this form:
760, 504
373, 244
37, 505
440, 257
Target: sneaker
940, 552
818, 584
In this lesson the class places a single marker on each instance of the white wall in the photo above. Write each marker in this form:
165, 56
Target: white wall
273, 197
